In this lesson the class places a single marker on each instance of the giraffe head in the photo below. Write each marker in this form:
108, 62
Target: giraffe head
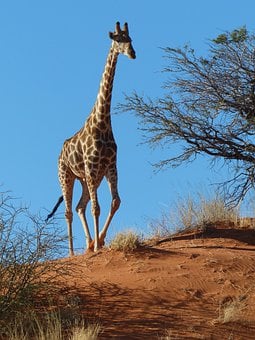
122, 42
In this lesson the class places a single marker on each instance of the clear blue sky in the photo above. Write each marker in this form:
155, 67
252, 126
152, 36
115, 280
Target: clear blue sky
52, 54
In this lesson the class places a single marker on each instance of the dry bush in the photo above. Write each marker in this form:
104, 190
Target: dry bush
29, 280
28, 247
190, 212
125, 241
202, 211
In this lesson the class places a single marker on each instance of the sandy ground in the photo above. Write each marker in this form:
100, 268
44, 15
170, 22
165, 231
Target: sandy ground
194, 286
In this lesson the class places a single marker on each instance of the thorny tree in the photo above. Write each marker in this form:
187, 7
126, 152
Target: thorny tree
208, 108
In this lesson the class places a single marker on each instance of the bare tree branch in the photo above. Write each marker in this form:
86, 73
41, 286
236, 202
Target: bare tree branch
208, 108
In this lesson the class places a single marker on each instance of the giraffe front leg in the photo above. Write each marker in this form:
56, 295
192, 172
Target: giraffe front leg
81, 214
95, 210
114, 207
96, 228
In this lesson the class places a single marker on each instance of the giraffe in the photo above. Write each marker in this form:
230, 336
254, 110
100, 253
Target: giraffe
90, 155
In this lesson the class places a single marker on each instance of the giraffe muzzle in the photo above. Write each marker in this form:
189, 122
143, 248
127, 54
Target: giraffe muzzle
132, 54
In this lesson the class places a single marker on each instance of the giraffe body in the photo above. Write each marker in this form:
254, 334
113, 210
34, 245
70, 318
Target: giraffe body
90, 155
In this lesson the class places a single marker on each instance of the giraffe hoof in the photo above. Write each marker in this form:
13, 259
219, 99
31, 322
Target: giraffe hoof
92, 245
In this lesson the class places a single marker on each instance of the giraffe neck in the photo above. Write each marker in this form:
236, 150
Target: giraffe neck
103, 102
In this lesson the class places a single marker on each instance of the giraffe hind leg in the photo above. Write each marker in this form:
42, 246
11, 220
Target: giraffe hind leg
67, 182
69, 221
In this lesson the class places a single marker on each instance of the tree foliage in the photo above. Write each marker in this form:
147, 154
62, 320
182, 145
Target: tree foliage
208, 108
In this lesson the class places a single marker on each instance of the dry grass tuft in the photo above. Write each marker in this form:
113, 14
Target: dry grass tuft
125, 241
231, 310
193, 212
89, 332
51, 327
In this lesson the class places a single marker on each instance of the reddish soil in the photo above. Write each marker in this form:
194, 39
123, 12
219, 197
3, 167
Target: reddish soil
197, 285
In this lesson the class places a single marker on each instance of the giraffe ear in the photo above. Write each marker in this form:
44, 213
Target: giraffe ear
126, 28
111, 35
118, 29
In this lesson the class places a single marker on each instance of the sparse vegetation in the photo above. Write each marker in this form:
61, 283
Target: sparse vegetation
27, 248
231, 310
86, 332
125, 241
31, 272
51, 327
191, 212
29, 278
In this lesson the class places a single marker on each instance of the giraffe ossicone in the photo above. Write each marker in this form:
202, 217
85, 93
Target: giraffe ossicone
90, 155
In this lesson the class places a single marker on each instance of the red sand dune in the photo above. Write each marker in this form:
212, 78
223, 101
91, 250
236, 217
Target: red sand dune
198, 285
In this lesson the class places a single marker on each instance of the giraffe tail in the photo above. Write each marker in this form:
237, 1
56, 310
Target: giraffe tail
60, 200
